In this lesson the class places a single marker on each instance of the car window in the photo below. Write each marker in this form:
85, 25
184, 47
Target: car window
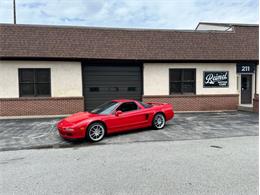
145, 105
106, 108
128, 106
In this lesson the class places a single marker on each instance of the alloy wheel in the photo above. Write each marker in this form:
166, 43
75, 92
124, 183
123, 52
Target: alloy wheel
159, 121
96, 132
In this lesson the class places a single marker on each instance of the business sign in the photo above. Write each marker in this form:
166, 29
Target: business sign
245, 67
215, 79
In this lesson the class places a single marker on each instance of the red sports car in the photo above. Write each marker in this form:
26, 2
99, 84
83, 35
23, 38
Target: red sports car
115, 116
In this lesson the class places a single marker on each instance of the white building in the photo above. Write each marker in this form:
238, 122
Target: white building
51, 70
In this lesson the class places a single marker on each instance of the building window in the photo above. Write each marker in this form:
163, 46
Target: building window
34, 82
182, 81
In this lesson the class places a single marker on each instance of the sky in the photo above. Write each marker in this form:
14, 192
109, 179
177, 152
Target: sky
161, 14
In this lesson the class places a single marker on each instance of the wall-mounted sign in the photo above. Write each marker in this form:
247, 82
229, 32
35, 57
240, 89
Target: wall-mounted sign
215, 79
245, 67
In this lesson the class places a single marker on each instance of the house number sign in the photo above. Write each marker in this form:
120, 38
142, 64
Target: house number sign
245, 68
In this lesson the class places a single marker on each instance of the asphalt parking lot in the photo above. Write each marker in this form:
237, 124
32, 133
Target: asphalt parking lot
18, 134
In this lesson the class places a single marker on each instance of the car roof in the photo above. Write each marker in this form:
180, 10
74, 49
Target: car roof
123, 100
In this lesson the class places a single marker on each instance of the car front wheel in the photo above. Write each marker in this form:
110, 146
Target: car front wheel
95, 132
159, 121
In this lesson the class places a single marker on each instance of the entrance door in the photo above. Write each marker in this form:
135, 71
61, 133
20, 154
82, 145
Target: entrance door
246, 89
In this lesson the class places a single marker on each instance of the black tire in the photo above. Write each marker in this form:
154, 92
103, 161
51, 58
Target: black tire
158, 121
95, 132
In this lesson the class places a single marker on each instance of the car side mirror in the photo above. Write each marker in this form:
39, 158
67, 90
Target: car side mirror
118, 112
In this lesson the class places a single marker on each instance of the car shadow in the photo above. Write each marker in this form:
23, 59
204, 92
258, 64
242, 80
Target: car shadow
84, 142
74, 141
78, 142
128, 132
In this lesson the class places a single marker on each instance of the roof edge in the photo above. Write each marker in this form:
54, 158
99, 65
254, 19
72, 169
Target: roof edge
102, 28
228, 24
13, 58
96, 27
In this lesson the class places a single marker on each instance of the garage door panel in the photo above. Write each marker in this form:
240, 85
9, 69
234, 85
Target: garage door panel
106, 91
104, 98
98, 96
111, 68
120, 78
112, 97
115, 96
104, 83
106, 72
111, 83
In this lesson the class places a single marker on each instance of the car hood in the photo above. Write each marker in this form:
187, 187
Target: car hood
78, 117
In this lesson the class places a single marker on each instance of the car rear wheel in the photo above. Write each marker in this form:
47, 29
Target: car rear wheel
159, 121
95, 132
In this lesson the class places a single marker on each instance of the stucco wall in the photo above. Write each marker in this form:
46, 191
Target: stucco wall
156, 77
66, 79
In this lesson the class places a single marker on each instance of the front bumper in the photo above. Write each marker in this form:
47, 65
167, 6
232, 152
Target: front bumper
72, 134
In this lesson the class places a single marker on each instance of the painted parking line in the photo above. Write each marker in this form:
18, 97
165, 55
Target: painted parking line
39, 136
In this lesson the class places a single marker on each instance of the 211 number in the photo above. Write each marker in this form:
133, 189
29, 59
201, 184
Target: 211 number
245, 68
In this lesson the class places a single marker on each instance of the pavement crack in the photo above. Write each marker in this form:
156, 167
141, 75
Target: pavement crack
213, 146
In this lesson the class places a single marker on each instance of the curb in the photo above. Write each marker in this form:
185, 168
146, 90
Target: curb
33, 117
88, 144
47, 146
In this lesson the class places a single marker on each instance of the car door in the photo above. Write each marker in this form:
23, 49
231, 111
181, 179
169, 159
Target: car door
132, 116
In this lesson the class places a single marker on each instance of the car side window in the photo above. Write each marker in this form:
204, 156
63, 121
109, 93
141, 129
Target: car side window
145, 105
128, 106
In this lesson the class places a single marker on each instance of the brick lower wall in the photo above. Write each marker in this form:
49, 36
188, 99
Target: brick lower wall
256, 103
40, 106
198, 102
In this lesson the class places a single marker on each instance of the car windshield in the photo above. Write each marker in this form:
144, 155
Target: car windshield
105, 108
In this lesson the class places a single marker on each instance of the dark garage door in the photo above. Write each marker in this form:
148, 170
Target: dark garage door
102, 83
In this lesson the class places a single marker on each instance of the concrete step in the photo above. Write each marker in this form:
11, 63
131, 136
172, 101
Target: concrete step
245, 108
